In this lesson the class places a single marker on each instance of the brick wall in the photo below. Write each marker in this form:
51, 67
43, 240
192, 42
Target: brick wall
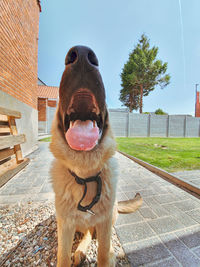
197, 106
52, 103
19, 49
42, 105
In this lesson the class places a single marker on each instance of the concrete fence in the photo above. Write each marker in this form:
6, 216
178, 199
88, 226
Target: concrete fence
127, 124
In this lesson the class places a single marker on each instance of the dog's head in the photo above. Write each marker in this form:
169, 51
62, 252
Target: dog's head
82, 108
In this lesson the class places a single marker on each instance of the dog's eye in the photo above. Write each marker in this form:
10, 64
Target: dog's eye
93, 59
71, 58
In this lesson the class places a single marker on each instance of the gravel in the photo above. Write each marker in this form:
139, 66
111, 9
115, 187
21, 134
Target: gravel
28, 237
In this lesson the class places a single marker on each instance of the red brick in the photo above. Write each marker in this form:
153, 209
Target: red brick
19, 49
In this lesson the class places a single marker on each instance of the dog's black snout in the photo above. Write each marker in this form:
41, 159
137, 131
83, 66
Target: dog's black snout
71, 57
81, 55
92, 58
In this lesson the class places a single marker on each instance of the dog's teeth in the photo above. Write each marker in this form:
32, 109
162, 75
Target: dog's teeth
94, 124
71, 124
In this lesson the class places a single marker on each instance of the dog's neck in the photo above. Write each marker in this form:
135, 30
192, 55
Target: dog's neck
83, 182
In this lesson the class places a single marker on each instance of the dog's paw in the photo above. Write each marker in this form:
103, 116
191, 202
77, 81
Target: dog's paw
79, 257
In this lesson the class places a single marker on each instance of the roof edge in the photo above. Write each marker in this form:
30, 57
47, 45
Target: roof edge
38, 1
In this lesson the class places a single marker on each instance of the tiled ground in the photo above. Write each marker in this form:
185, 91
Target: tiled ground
166, 229
164, 232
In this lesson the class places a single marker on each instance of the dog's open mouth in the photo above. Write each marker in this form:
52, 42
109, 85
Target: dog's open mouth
83, 121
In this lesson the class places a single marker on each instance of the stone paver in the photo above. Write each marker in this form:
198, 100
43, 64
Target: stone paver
165, 231
33, 182
191, 176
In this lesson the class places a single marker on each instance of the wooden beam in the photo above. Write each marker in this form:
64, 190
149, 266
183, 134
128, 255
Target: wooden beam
13, 131
3, 117
11, 140
4, 129
10, 171
6, 153
11, 113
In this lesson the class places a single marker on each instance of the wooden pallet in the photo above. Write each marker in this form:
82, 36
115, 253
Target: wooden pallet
11, 159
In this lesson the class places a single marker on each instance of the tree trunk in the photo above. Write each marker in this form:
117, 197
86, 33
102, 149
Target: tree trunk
141, 97
131, 102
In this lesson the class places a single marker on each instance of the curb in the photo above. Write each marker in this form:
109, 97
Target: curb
166, 175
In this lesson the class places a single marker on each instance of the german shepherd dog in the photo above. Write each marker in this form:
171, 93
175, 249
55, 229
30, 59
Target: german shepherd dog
84, 172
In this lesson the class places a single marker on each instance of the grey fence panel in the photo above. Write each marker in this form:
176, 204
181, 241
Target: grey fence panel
142, 125
138, 125
158, 125
176, 126
119, 123
192, 127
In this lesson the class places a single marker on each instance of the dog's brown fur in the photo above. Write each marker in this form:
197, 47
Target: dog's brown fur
68, 194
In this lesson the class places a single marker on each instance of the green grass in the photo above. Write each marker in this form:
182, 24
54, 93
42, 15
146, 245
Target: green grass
47, 139
170, 154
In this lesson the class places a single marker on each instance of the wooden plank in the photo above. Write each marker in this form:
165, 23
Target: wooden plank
13, 131
11, 140
11, 171
11, 113
6, 153
3, 118
4, 129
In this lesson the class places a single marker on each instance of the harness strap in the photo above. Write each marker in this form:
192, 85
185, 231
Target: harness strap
84, 182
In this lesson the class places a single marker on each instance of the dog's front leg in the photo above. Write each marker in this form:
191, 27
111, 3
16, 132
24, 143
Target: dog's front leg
106, 257
66, 232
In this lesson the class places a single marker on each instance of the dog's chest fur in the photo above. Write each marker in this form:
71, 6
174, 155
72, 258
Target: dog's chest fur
69, 193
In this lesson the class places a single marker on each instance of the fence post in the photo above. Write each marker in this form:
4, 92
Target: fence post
128, 124
185, 126
168, 130
149, 126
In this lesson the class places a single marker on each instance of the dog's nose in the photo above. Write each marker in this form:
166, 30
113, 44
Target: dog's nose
81, 55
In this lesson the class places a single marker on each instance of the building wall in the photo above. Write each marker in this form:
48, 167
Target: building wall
27, 124
197, 106
42, 105
18, 60
46, 111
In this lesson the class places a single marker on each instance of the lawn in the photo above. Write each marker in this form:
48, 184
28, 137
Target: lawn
170, 154
46, 139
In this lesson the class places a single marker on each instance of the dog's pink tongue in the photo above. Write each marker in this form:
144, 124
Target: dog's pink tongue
83, 135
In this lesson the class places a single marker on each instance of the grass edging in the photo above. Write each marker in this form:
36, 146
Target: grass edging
166, 175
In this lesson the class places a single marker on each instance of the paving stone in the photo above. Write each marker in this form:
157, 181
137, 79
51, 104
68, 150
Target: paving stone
166, 224
195, 214
146, 251
184, 255
47, 187
166, 198
159, 189
170, 262
134, 232
129, 218
188, 205
190, 236
180, 215
121, 196
196, 251
156, 207
147, 213
133, 187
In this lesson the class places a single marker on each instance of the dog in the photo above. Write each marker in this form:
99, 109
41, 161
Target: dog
84, 171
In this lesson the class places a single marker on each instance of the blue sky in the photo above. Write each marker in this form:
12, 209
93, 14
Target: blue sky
112, 29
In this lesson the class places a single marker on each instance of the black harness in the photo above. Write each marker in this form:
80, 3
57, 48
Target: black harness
84, 182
